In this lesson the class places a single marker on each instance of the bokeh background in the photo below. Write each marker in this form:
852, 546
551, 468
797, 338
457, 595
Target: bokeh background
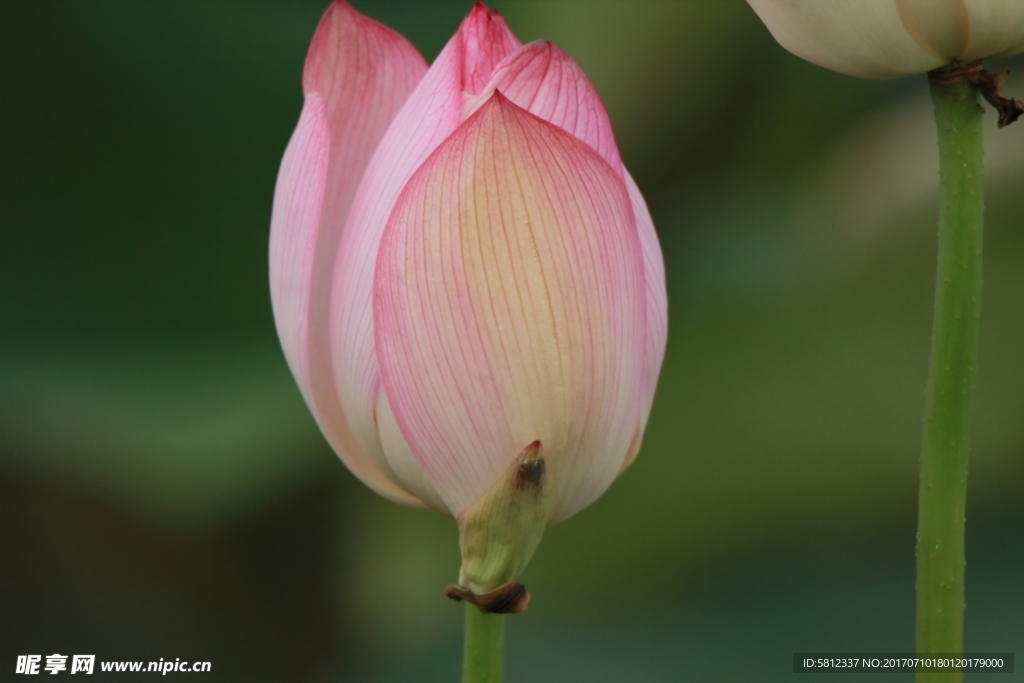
165, 493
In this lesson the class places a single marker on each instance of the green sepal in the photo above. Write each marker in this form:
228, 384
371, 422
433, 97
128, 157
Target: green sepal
499, 533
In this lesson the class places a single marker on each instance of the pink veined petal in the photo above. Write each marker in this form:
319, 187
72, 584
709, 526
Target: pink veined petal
429, 116
364, 71
401, 459
657, 307
357, 75
294, 225
545, 81
485, 40
509, 306
656, 295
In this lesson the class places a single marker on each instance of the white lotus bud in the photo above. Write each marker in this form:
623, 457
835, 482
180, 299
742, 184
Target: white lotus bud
892, 38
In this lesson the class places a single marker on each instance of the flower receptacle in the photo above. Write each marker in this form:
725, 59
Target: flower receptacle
499, 533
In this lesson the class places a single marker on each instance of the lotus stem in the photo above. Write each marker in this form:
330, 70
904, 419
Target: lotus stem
484, 647
951, 375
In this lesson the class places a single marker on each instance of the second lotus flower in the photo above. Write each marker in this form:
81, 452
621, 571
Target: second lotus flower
892, 38
465, 279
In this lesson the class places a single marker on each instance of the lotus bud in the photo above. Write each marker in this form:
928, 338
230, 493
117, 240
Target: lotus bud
466, 282
892, 38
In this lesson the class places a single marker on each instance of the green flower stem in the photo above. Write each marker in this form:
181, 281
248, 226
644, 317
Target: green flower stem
484, 648
943, 486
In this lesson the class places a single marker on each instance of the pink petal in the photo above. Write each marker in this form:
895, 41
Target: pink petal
357, 75
548, 83
657, 307
400, 458
510, 306
484, 40
545, 81
294, 226
364, 71
428, 117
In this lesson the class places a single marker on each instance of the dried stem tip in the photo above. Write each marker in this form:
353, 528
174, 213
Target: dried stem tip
508, 598
990, 84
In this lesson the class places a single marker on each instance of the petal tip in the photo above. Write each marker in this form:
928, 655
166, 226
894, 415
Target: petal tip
480, 10
341, 27
485, 39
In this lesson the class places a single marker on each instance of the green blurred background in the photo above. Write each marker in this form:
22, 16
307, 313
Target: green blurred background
165, 492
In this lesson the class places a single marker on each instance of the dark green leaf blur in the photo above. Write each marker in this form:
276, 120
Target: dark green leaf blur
164, 492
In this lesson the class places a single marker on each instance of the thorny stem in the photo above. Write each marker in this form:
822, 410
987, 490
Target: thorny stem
951, 374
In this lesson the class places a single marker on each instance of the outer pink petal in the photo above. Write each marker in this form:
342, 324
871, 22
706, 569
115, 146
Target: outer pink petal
364, 71
545, 81
294, 226
357, 75
428, 117
510, 306
657, 307
401, 459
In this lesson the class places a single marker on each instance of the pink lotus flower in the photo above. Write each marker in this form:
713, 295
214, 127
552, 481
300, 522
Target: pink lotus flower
460, 266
